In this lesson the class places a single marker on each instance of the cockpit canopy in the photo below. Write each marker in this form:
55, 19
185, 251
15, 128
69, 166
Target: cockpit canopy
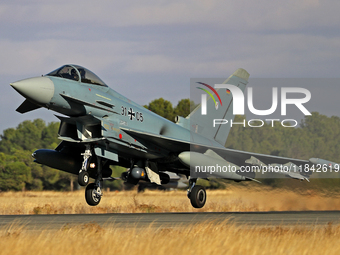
73, 72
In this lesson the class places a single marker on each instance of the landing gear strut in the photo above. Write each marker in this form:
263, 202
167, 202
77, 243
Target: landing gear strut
196, 194
93, 192
83, 176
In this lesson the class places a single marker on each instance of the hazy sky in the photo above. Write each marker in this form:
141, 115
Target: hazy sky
151, 49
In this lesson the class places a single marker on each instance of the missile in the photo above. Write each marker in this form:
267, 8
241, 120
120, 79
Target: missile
255, 162
210, 164
289, 169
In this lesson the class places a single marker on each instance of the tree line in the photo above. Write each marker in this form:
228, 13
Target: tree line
317, 136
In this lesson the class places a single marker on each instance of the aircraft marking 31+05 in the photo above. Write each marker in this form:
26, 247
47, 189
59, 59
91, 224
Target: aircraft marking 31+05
104, 128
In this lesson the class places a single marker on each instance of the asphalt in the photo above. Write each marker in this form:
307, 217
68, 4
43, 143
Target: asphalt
161, 220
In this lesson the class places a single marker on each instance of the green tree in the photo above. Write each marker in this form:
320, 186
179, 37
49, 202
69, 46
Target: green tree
29, 135
184, 107
18, 145
14, 174
162, 107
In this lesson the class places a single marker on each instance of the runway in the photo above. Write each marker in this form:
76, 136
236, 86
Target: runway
162, 220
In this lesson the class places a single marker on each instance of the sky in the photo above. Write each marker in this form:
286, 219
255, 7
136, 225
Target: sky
150, 49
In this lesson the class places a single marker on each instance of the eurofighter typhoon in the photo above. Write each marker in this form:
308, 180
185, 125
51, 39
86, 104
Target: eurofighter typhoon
102, 128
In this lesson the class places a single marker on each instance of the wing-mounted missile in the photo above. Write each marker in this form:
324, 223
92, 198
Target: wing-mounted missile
289, 169
255, 162
210, 165
249, 175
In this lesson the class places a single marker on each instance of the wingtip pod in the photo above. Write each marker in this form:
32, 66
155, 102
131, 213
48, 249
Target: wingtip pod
240, 73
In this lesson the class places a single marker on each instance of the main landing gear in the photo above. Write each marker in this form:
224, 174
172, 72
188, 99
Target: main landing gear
93, 191
196, 194
93, 194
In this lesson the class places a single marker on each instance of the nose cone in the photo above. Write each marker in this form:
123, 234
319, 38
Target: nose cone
38, 89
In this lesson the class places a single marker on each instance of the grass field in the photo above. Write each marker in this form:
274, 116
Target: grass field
205, 238
233, 199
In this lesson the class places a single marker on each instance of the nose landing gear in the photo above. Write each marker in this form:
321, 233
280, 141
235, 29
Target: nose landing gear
83, 176
93, 191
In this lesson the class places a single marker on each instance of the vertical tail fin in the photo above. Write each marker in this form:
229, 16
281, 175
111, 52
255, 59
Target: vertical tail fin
203, 124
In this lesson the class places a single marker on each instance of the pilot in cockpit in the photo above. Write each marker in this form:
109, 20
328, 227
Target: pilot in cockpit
74, 75
82, 73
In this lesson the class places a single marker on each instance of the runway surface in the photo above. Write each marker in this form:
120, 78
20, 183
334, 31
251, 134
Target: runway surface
121, 220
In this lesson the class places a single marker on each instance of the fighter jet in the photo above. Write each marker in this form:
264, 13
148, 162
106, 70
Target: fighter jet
101, 128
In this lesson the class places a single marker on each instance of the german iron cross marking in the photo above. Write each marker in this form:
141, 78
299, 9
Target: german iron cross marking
131, 114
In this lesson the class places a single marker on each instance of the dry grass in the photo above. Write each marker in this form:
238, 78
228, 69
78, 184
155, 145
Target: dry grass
232, 199
205, 238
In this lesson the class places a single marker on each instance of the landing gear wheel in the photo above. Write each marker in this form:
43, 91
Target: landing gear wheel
198, 196
91, 194
83, 178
